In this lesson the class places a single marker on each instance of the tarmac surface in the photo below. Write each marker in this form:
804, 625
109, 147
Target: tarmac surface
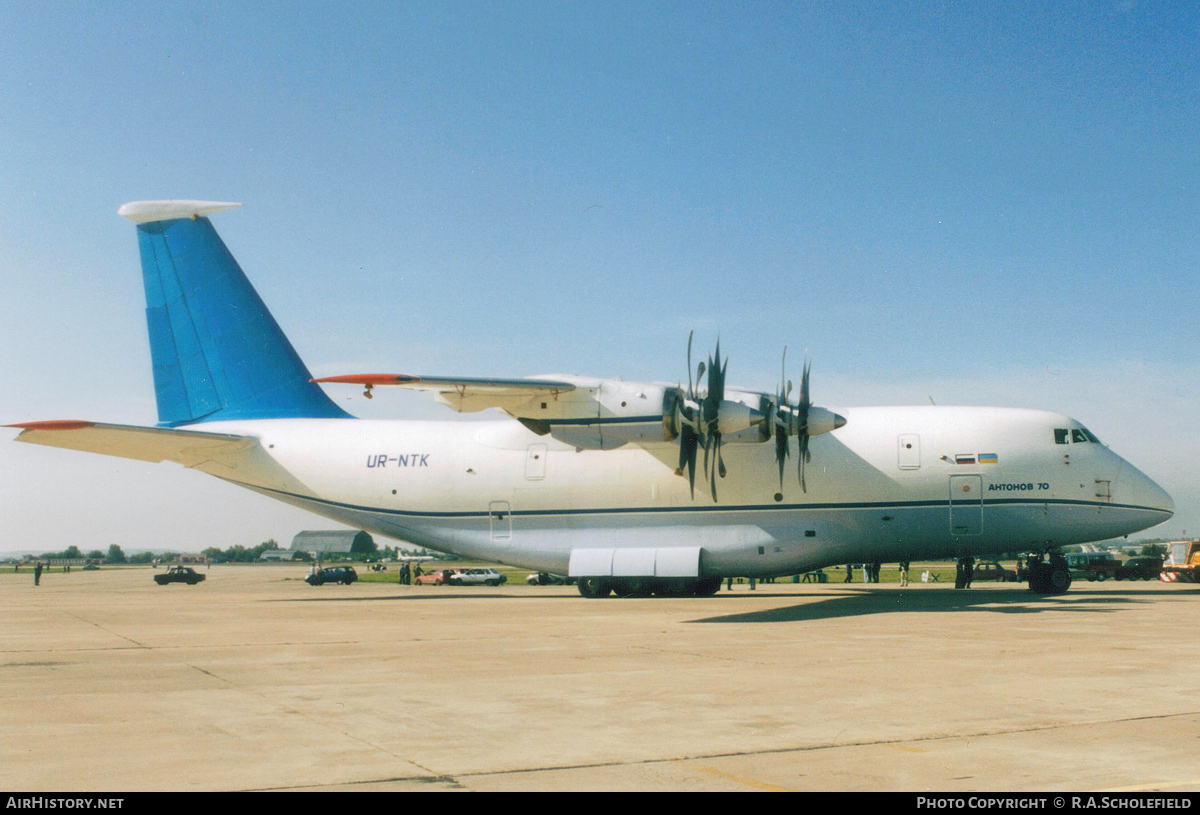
254, 680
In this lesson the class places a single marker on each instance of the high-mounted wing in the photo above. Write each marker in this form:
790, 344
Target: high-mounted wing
464, 394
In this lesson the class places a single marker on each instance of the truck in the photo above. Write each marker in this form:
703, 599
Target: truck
1182, 563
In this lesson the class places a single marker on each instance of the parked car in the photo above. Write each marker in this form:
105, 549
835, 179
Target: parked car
1140, 568
334, 574
992, 570
478, 577
437, 577
179, 574
547, 579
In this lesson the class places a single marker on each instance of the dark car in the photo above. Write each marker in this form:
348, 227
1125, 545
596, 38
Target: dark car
334, 574
991, 570
1139, 568
179, 574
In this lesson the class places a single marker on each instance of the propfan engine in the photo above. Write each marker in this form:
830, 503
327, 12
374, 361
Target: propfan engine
702, 419
803, 420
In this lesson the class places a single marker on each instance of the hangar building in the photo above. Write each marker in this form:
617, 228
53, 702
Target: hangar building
334, 542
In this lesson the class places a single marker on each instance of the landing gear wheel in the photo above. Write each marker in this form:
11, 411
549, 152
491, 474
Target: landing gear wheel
671, 587
707, 586
1060, 580
594, 587
632, 587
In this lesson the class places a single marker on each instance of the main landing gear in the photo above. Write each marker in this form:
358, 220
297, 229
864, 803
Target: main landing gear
594, 587
1049, 576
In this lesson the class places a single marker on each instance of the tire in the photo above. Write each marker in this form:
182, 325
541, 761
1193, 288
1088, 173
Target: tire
1102, 576
672, 587
595, 587
632, 587
1059, 580
1049, 579
493, 583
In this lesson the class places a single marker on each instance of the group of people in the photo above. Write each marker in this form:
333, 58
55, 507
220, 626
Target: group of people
870, 572
408, 573
964, 571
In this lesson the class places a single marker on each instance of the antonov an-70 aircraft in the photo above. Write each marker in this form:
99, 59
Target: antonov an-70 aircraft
597, 478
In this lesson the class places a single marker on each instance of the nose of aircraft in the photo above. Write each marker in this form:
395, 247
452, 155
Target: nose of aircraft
1135, 489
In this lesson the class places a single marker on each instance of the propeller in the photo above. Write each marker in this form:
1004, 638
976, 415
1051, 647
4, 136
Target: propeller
803, 420
696, 419
701, 418
686, 413
710, 416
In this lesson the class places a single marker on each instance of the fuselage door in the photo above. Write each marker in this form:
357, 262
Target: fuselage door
500, 518
535, 462
909, 451
966, 505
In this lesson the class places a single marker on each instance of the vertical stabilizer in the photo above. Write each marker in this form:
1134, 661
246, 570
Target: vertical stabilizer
218, 354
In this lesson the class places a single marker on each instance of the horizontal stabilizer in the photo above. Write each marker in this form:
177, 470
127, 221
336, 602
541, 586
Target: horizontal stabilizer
144, 212
184, 447
235, 458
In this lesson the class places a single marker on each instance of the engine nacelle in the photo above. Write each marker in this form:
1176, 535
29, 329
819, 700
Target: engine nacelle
822, 420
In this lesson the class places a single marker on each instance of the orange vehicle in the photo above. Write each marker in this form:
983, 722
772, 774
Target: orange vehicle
1183, 562
438, 577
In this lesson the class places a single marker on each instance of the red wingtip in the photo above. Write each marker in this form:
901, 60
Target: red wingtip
64, 424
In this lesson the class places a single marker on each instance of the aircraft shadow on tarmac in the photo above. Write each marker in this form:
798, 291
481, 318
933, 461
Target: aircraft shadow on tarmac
860, 602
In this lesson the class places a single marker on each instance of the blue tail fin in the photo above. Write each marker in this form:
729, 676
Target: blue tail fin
218, 353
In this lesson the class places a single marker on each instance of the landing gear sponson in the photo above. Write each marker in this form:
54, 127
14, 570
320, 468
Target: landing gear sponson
594, 587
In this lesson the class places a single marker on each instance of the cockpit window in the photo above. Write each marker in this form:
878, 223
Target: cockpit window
1074, 435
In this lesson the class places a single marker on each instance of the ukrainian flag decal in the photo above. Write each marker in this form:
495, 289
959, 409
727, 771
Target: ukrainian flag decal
989, 458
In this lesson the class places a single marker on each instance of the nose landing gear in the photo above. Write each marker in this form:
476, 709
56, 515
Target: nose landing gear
1049, 576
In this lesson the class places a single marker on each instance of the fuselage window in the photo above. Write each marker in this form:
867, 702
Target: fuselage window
1060, 436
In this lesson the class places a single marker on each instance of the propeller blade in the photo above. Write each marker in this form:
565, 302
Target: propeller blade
708, 440
691, 393
687, 454
782, 451
804, 457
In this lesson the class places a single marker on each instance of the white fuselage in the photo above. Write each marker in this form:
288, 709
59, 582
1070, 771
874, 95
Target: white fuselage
896, 483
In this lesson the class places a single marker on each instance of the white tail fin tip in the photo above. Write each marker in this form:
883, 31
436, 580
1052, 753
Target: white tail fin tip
143, 212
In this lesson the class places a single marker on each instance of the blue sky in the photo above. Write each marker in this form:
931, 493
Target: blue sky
982, 203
